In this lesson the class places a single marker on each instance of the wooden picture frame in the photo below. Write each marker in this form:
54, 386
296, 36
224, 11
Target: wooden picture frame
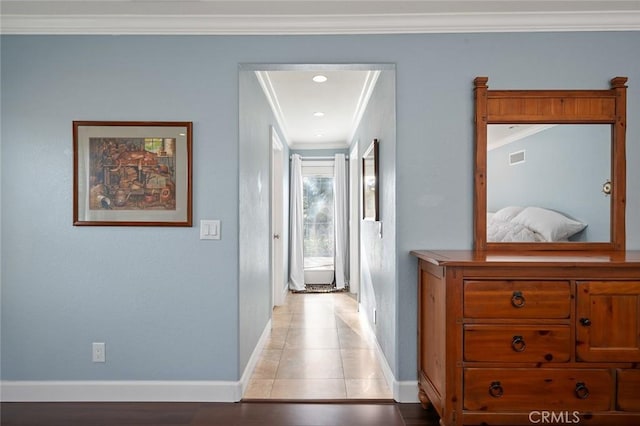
371, 182
132, 173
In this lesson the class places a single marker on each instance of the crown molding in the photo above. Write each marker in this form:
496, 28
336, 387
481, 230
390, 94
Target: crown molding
525, 131
363, 101
297, 146
300, 24
272, 98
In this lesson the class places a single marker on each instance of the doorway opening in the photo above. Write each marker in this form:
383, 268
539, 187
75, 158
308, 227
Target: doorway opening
332, 326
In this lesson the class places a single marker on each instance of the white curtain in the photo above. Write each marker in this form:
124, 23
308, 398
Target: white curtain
296, 252
340, 219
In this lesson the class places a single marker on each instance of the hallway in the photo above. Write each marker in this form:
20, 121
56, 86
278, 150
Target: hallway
319, 348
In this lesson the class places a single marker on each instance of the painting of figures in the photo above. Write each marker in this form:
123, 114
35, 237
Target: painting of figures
132, 173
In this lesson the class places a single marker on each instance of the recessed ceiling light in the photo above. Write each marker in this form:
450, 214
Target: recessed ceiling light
319, 135
319, 78
318, 114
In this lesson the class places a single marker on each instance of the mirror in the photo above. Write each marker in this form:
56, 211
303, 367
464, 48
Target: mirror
550, 168
370, 184
558, 167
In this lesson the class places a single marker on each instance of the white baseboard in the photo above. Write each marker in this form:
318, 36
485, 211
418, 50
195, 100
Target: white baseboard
150, 391
121, 391
132, 390
403, 391
406, 391
253, 360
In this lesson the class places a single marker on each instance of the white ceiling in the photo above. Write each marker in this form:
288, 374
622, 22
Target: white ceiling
297, 102
503, 134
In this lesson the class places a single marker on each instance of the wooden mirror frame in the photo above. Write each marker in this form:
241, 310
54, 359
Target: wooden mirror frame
551, 107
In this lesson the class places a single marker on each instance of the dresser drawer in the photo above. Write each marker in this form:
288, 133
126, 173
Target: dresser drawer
517, 299
506, 343
628, 390
519, 389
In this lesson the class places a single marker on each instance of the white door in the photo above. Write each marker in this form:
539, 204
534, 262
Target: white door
277, 220
354, 221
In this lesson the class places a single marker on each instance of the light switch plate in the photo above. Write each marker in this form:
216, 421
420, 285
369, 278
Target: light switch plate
209, 229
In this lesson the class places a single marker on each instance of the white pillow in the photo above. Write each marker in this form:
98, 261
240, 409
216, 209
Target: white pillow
553, 226
505, 214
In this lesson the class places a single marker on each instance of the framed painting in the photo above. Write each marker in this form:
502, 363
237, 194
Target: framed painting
370, 183
131, 173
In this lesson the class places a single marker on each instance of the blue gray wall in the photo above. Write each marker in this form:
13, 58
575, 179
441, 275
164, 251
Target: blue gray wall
171, 306
165, 302
254, 287
378, 250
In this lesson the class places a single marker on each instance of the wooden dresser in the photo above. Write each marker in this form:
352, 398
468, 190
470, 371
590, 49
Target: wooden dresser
533, 338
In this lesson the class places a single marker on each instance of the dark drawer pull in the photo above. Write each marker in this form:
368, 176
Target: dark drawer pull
495, 390
517, 300
518, 344
582, 391
585, 322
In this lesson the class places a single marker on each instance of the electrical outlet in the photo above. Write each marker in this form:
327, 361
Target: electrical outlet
98, 352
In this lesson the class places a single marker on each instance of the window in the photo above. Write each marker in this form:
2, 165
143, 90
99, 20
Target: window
318, 213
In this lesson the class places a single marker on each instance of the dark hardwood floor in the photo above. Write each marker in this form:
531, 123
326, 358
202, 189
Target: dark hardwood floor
213, 414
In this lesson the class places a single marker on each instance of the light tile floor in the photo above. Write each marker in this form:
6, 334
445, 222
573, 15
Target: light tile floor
318, 349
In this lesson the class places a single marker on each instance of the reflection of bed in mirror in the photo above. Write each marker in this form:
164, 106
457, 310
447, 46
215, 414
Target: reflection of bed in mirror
532, 224
558, 170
